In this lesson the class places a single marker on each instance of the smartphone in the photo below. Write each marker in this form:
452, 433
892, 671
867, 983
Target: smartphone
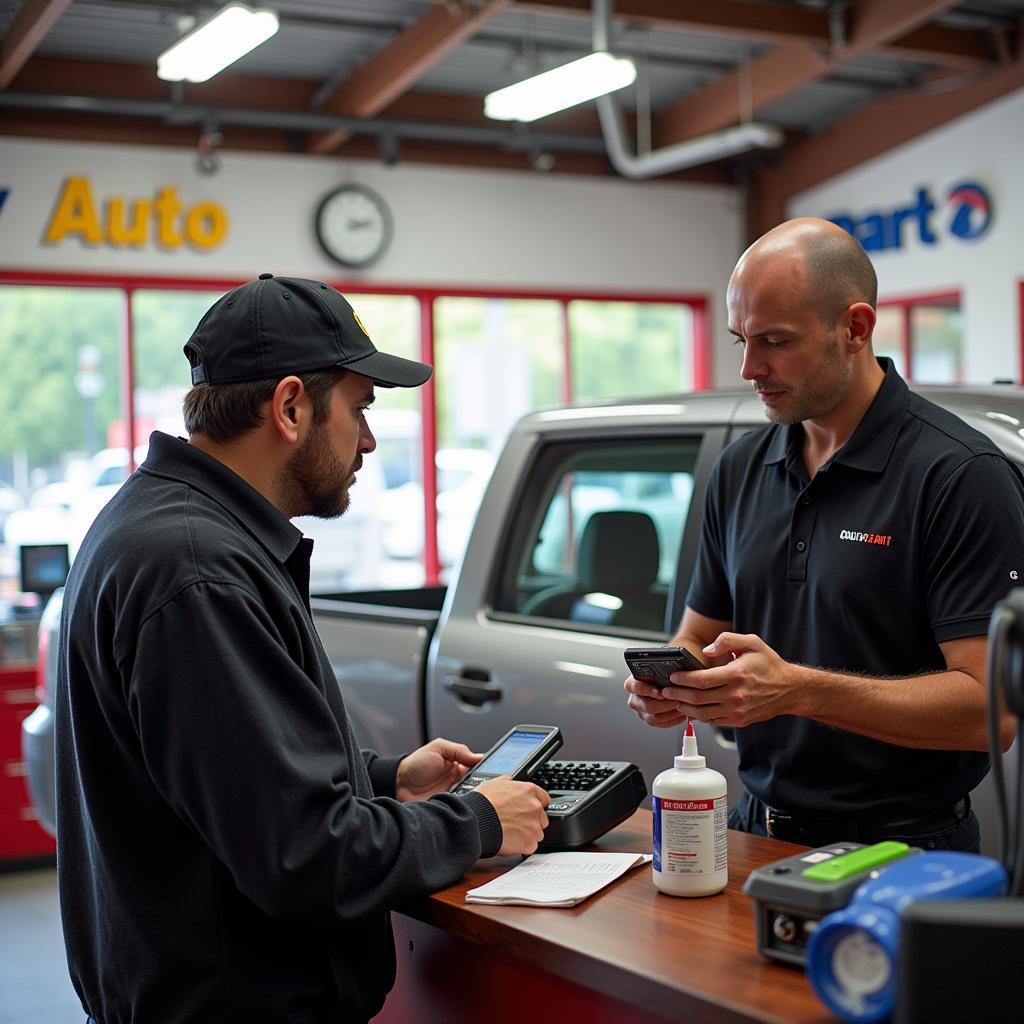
654, 665
518, 753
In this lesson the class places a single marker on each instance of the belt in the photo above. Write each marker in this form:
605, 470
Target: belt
783, 825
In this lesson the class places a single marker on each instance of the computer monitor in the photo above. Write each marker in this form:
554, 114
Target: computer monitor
44, 567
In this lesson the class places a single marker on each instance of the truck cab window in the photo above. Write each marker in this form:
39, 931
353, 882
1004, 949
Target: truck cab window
603, 529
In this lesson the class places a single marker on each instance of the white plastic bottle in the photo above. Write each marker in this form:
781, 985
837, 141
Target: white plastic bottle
690, 838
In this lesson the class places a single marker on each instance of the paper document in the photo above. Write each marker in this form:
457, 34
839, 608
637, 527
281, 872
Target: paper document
556, 879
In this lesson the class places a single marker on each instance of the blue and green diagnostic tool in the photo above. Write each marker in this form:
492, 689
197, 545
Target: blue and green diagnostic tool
853, 955
793, 894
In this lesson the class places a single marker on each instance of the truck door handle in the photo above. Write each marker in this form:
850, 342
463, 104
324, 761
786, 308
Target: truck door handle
477, 692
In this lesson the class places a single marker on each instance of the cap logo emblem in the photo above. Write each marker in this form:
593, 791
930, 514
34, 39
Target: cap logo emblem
355, 316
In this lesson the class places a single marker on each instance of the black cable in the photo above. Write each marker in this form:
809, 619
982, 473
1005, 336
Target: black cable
998, 633
1017, 871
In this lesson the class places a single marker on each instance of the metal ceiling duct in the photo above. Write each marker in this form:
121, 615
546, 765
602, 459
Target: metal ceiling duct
691, 153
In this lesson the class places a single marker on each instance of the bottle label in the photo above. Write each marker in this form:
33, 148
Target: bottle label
690, 835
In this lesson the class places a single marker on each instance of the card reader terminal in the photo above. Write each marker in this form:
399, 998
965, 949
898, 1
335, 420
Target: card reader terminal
587, 797
793, 894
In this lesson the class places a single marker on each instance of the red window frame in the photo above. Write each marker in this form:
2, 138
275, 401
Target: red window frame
906, 303
426, 295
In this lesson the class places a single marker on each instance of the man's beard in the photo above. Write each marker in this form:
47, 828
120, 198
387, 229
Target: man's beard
317, 481
818, 395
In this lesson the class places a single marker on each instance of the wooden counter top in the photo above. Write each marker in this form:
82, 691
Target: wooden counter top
670, 957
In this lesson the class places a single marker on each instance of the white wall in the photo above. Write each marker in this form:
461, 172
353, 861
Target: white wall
986, 146
452, 227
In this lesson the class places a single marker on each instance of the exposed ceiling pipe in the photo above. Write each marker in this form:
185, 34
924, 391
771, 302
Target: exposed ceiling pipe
692, 152
173, 113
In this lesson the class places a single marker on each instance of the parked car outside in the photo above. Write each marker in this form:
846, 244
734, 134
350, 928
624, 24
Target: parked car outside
347, 550
37, 744
462, 475
10, 501
62, 512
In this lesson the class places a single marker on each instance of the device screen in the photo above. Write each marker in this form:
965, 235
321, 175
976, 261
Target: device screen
512, 753
517, 754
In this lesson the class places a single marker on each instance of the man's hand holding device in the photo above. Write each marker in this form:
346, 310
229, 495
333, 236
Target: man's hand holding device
652, 669
656, 665
433, 768
520, 805
584, 798
745, 682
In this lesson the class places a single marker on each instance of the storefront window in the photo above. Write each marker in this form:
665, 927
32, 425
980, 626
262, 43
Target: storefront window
61, 447
626, 349
888, 337
163, 321
378, 542
496, 359
936, 344
930, 329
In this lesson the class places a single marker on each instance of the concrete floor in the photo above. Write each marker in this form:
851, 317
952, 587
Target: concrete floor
34, 983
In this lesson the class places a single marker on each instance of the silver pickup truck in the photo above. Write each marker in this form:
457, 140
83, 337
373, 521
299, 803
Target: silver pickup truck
583, 546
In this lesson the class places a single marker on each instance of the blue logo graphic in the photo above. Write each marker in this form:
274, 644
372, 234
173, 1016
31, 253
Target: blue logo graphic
972, 210
4, 193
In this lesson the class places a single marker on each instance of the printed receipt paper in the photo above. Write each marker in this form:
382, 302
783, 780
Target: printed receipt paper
556, 879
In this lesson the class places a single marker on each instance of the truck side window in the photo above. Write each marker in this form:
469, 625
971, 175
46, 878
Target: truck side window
603, 528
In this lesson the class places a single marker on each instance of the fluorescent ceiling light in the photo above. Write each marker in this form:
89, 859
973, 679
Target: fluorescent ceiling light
218, 42
585, 79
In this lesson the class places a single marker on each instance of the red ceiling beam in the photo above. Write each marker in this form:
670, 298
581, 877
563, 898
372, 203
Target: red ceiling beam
402, 62
785, 69
139, 81
871, 131
34, 19
874, 23
720, 103
948, 47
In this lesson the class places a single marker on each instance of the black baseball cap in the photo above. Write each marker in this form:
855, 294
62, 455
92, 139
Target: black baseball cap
277, 326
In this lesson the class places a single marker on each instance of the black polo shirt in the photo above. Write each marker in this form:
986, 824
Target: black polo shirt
905, 538
225, 851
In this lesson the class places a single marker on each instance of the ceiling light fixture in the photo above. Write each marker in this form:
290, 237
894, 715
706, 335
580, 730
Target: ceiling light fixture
219, 41
595, 75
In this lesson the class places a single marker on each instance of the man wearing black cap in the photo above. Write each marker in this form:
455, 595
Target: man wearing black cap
226, 851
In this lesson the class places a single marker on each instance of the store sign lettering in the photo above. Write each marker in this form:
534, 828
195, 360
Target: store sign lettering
966, 213
164, 219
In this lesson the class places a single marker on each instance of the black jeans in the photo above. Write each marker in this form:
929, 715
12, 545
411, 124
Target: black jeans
963, 833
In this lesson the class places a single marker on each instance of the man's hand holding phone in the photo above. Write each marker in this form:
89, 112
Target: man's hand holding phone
747, 682
654, 665
651, 669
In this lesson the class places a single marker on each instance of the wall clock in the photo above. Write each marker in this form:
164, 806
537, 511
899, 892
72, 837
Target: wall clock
353, 225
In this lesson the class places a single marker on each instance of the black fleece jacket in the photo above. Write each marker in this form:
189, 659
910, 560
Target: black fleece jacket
226, 853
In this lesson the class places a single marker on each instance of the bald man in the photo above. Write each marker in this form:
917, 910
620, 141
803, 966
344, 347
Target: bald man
846, 573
